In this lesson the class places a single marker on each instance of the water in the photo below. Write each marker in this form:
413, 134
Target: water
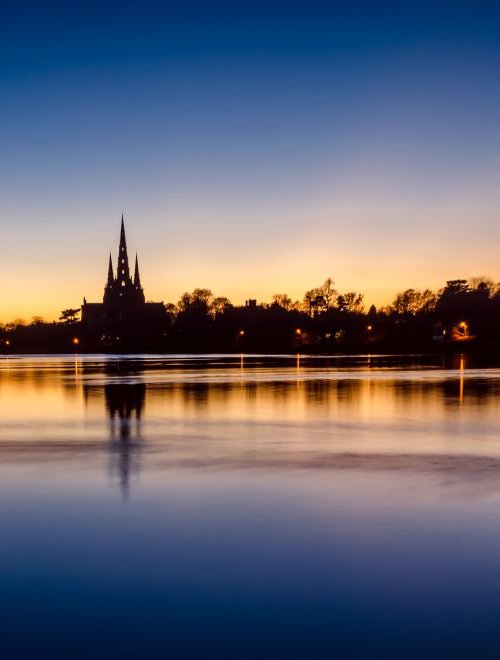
236, 507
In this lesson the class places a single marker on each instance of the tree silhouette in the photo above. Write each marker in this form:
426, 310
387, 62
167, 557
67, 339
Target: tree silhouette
414, 301
69, 316
351, 302
220, 305
321, 299
282, 300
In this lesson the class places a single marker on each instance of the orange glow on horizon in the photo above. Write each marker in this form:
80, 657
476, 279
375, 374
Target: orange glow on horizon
46, 291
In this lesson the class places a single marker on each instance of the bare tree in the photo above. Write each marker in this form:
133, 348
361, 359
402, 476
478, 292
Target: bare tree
414, 301
351, 302
199, 301
171, 311
282, 300
220, 305
321, 299
484, 285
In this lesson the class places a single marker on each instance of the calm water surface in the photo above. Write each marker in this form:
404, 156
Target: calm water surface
236, 507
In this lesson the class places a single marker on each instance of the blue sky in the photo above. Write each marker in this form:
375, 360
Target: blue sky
253, 147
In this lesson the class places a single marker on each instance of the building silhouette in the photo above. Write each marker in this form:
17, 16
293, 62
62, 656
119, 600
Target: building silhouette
124, 318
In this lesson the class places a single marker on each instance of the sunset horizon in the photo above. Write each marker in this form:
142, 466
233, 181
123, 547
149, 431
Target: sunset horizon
47, 294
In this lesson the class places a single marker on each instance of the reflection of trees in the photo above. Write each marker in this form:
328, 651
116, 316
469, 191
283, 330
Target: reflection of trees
400, 379
321, 391
380, 385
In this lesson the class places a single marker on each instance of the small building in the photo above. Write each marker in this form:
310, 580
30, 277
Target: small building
123, 318
453, 332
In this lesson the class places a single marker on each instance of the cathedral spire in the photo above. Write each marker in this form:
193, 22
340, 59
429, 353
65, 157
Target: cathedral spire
137, 282
111, 277
123, 271
137, 279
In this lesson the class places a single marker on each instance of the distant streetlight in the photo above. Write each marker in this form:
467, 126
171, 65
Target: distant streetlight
298, 331
369, 328
7, 342
76, 341
241, 333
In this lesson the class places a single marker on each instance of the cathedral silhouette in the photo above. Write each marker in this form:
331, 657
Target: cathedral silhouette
124, 317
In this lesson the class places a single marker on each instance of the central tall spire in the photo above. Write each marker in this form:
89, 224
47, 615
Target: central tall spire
121, 290
123, 271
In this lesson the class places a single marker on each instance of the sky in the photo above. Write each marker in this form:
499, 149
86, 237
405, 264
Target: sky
254, 148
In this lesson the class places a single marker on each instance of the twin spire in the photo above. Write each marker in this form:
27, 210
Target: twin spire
137, 279
111, 277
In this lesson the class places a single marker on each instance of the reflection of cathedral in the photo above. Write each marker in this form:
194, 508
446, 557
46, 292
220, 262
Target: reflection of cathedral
124, 315
125, 405
123, 401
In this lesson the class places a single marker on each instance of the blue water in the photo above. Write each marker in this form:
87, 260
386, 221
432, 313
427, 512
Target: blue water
235, 507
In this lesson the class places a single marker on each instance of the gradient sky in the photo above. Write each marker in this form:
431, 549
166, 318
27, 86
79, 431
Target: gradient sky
254, 147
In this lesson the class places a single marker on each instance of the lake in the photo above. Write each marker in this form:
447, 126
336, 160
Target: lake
249, 507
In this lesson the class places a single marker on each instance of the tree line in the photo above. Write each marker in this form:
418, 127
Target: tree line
325, 319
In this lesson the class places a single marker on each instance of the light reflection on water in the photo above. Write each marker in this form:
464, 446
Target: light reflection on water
228, 506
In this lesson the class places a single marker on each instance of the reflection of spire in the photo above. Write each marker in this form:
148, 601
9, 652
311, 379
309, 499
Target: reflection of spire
124, 402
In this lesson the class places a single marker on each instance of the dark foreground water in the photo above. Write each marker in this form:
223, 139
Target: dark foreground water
249, 508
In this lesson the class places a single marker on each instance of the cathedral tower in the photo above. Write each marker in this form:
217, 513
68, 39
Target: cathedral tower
121, 290
123, 320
